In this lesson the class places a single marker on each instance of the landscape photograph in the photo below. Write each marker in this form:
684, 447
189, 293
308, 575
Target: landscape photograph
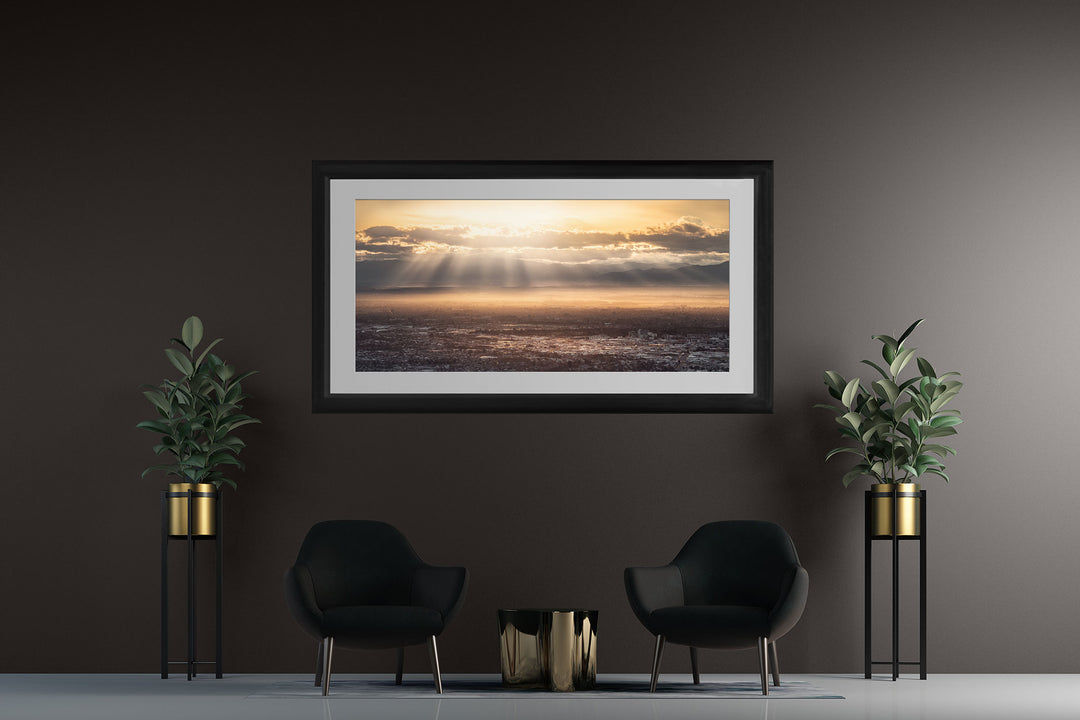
542, 285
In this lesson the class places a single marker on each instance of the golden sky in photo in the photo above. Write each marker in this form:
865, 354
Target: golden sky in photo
518, 217
517, 242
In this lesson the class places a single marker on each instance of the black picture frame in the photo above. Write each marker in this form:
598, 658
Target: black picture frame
332, 188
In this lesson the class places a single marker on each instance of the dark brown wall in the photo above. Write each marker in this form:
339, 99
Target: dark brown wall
927, 160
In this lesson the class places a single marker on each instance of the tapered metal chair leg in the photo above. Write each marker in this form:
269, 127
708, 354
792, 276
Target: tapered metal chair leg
433, 651
774, 664
763, 658
657, 654
400, 665
318, 664
693, 666
328, 656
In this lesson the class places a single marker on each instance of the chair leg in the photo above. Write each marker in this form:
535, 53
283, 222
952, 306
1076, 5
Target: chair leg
400, 665
328, 656
657, 654
433, 651
774, 664
693, 665
318, 663
763, 658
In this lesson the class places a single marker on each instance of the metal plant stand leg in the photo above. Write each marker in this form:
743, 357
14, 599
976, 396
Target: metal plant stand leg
191, 662
164, 587
895, 586
400, 665
318, 664
774, 664
219, 543
922, 585
868, 625
894, 662
190, 589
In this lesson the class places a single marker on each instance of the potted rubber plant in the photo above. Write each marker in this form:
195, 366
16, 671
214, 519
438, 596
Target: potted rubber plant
895, 428
197, 416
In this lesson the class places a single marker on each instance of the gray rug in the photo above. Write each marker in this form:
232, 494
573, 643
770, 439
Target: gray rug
606, 688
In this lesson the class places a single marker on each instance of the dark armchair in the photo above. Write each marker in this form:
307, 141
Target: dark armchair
734, 585
359, 584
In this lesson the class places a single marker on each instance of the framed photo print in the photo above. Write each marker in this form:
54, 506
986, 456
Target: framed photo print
542, 286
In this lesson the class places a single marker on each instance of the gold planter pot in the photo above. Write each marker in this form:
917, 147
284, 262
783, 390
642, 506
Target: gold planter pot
548, 649
203, 509
907, 509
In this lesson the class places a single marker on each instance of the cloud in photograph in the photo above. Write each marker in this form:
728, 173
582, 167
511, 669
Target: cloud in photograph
513, 243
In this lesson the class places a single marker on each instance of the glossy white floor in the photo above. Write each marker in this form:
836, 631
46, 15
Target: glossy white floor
123, 697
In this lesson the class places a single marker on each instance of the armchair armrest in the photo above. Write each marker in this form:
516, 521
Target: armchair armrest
652, 588
440, 588
300, 597
789, 608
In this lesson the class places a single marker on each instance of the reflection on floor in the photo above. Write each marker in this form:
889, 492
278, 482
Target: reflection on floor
243, 697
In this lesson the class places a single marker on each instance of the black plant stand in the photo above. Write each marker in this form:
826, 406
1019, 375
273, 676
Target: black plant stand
895, 540
191, 662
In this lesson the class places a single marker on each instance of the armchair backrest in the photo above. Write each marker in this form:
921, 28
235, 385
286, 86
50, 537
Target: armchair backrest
736, 562
358, 562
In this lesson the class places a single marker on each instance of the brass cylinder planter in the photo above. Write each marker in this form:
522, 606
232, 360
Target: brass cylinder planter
203, 509
548, 649
907, 509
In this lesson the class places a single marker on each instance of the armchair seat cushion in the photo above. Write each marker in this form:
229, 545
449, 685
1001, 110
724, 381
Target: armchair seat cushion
730, 627
381, 626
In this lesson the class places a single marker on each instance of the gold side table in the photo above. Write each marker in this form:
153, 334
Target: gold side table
549, 649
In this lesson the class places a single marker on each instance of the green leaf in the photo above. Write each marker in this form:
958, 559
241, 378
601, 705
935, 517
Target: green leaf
869, 434
157, 426
853, 420
907, 332
942, 450
876, 367
192, 332
180, 361
888, 388
933, 432
942, 400
837, 451
901, 360
849, 392
230, 426
159, 401
901, 410
899, 455
242, 376
938, 472
944, 421
199, 362
925, 368
834, 384
916, 429
889, 347
853, 475
878, 469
